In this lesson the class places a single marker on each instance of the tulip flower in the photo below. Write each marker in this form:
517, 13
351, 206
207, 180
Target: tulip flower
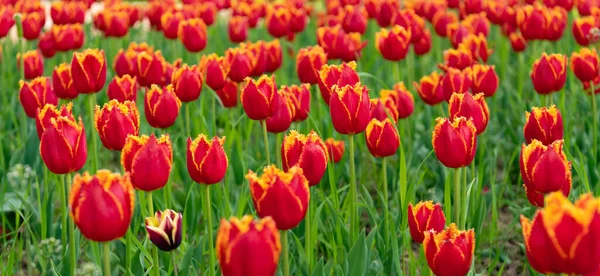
484, 79
45, 115
238, 29
62, 82
101, 205
308, 63
335, 149
307, 152
46, 45
557, 22
441, 20
450, 251
544, 169
170, 21
187, 83
240, 63
248, 245
581, 29
423, 45
115, 121
478, 47
382, 138
161, 106
259, 98
563, 237
532, 22
277, 21
386, 11
63, 13
208, 12
259, 51
228, 94
33, 62
517, 42
430, 89
544, 124
283, 114
349, 108
214, 69
457, 32
125, 62
117, 23
460, 58
424, 217
88, 70
454, 141
123, 89
402, 99
584, 64
148, 161
456, 81
151, 69
6, 20
281, 195
336, 75
409, 20
298, 20
164, 229
192, 33
469, 106
393, 44
339, 44
300, 96
35, 94
549, 73
355, 19
206, 159
383, 108
478, 23
32, 25
274, 56
63, 146
68, 37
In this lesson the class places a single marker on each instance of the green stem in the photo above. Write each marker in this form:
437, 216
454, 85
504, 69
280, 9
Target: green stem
209, 232
128, 247
174, 262
463, 210
63, 210
386, 222
285, 253
594, 122
308, 237
155, 261
457, 196
278, 142
353, 195
72, 249
188, 129
214, 115
106, 248
266, 141
332, 183
94, 149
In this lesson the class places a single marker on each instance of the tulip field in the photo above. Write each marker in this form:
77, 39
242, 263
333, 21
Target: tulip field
337, 137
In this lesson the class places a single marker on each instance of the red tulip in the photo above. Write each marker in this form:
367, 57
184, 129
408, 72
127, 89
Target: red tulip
68, 37
300, 96
424, 217
477, 45
355, 19
170, 21
277, 21
152, 69
46, 45
62, 144
192, 33
161, 106
430, 89
469, 106
123, 89
460, 58
393, 44
584, 64
238, 29
544, 124
381, 107
450, 251
456, 81
274, 56
117, 23
349, 108
308, 63
581, 29
441, 20
258, 50
228, 94
517, 42
214, 69
187, 83
423, 46
455, 142
115, 121
148, 161
45, 115
260, 98
88, 70
548, 73
240, 63
285, 111
33, 62
32, 25
35, 94
386, 11
206, 159
402, 99
484, 79
335, 149
336, 75
6, 20
382, 138
307, 152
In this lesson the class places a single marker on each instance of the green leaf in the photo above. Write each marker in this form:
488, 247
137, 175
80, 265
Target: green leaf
357, 257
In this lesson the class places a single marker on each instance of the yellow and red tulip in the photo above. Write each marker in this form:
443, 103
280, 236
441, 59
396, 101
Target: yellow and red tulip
161, 106
477, 45
544, 124
88, 71
300, 96
484, 79
277, 20
164, 229
469, 106
456, 81
455, 141
32, 25
402, 99
152, 69
393, 44
62, 82
283, 114
386, 10
123, 88
46, 45
424, 217
238, 29
549, 73
517, 42
584, 64
192, 33
532, 21
349, 108
228, 94
450, 251
259, 51
430, 88
280, 195
335, 149
441, 20
274, 56
6, 20
382, 107
115, 121
260, 98
101, 205
35, 94
206, 159
170, 21
308, 63
382, 138
214, 69
32, 62
248, 245
148, 161
308, 152
68, 37
581, 29
355, 19
62, 144
241, 62
187, 83
336, 75
423, 45
48, 112
460, 58
125, 63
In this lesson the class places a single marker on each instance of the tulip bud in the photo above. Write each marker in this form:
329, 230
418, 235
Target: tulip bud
478, 23
248, 245
62, 82
383, 108
32, 25
274, 56
164, 229
349, 108
35, 94
544, 124
584, 64
46, 45
456, 81
517, 42
402, 99
544, 169
308, 152
206, 160
300, 96
7, 20
117, 23
298, 20
152, 69
187, 83
161, 106
450, 251
277, 21
259, 65
336, 75
259, 98
581, 29
240, 63
115, 121
192, 33
430, 89
308, 63
455, 142
68, 37
122, 89
33, 63
148, 161
382, 138
281, 195
549, 73
484, 79
386, 11
228, 94
355, 19
208, 12
469, 106
441, 20
477, 46
424, 217
562, 237
125, 63
557, 22
423, 45
532, 22
283, 114
170, 23
238, 29
214, 69
48, 112
460, 58
335, 149
88, 70
393, 44
101, 205
62, 144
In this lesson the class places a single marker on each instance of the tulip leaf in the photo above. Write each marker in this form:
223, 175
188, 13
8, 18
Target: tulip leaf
357, 257
318, 269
